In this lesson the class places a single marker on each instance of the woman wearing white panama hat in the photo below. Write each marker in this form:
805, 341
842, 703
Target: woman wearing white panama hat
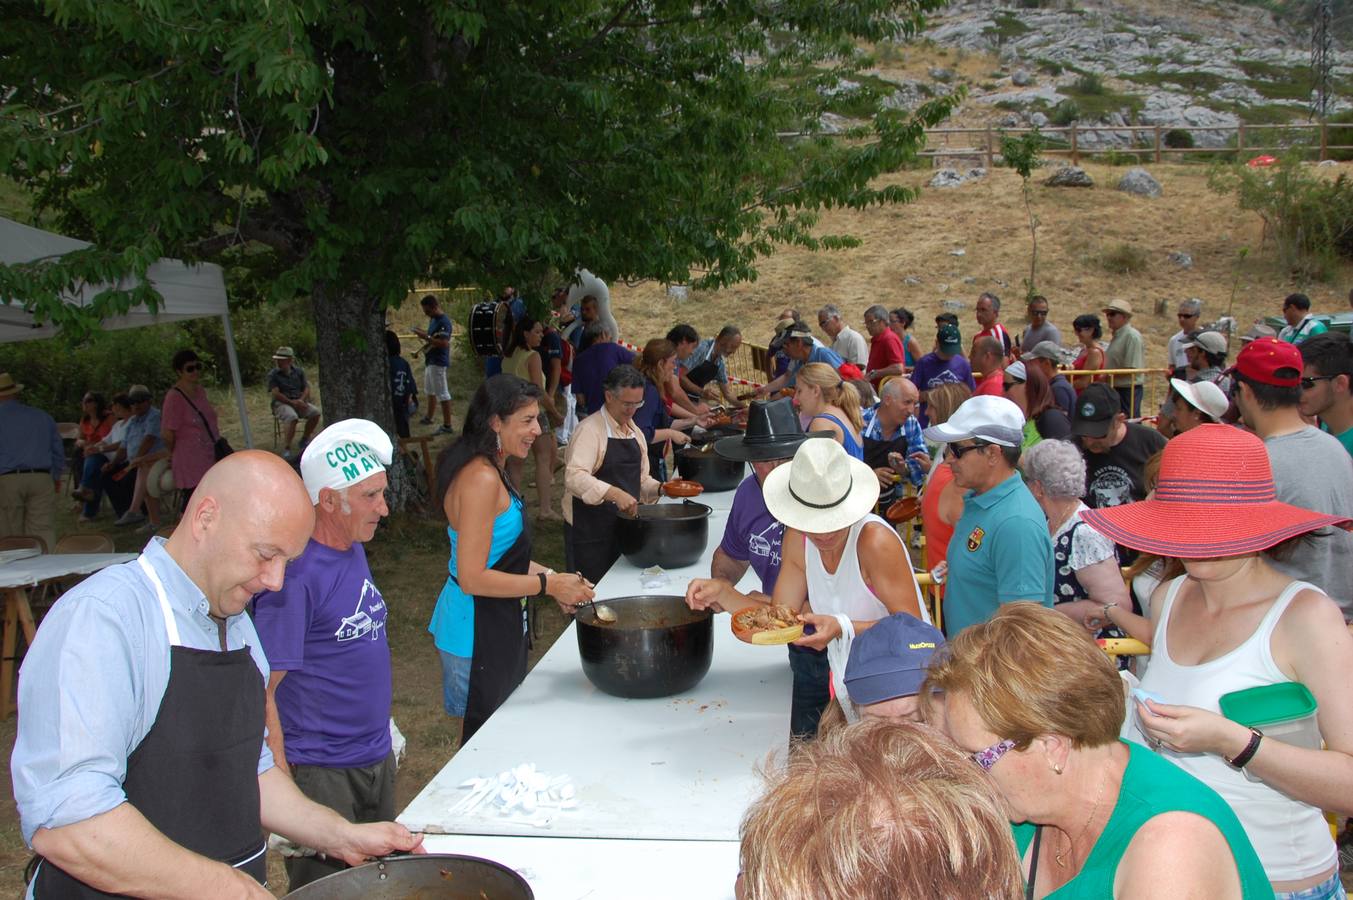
842, 567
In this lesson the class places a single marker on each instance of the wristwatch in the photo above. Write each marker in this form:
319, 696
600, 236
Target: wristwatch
1244, 756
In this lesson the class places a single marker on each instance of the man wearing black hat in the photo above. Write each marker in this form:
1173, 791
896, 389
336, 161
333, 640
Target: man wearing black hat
752, 536
1115, 449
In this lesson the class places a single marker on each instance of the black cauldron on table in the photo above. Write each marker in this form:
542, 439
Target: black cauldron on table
670, 535
435, 876
699, 462
657, 646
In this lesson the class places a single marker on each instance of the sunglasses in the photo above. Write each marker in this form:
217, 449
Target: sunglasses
959, 451
992, 755
193, 367
1308, 383
1187, 315
1011, 383
1038, 312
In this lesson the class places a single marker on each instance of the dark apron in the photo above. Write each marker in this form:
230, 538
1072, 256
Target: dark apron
593, 531
498, 661
194, 776
704, 373
876, 457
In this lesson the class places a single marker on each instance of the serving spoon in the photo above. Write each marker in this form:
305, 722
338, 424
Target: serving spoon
603, 612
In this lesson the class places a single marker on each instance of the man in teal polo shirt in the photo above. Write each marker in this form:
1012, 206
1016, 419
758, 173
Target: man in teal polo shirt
1000, 551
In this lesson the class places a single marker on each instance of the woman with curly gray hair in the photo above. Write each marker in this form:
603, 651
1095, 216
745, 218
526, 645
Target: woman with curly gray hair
1087, 577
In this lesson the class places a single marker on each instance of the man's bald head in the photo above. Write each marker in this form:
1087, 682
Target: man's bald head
897, 401
987, 353
248, 516
900, 389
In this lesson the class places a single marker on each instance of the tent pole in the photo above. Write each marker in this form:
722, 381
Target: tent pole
235, 378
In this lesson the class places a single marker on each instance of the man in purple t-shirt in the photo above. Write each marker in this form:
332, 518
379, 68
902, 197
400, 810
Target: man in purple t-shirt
328, 700
594, 363
945, 365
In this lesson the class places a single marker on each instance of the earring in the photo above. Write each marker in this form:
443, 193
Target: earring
498, 442
1056, 768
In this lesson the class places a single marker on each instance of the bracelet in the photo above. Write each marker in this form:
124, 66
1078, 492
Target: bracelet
1244, 756
1105, 610
542, 584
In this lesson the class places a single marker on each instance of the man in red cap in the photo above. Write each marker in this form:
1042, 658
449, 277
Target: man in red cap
1310, 468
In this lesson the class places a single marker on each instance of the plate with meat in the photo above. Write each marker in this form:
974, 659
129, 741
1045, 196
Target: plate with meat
766, 625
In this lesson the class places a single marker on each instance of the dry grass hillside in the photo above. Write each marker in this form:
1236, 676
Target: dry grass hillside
1086, 238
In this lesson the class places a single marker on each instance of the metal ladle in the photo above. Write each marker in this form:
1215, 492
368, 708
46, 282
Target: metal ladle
603, 613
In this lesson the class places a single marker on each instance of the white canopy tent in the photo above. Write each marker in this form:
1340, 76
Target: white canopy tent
188, 292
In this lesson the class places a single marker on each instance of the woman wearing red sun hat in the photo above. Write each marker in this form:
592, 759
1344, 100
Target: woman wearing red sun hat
1233, 622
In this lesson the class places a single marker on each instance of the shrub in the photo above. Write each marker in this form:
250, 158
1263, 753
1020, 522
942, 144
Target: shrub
1309, 218
1123, 259
1089, 83
1178, 139
1064, 113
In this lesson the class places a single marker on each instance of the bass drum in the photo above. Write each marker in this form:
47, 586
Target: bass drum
488, 328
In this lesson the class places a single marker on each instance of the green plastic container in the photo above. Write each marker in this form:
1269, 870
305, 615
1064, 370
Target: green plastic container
1284, 712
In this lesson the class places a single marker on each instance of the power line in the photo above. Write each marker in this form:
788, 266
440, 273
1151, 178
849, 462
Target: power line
1322, 53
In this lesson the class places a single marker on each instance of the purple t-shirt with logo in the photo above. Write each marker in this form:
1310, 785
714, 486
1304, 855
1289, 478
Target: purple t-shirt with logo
932, 371
326, 629
752, 534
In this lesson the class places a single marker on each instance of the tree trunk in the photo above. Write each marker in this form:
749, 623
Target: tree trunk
355, 375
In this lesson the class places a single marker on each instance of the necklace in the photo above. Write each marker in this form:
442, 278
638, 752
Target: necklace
1060, 855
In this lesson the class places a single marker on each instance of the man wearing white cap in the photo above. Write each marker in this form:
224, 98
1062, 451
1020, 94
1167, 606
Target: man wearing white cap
1000, 552
1198, 403
328, 700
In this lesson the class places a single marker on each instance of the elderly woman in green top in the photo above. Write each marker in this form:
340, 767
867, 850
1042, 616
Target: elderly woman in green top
1039, 707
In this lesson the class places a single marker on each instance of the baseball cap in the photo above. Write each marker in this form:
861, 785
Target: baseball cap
890, 659
798, 330
995, 420
1202, 395
1095, 410
1258, 330
1270, 361
1045, 350
949, 338
1211, 341
1017, 372
1121, 306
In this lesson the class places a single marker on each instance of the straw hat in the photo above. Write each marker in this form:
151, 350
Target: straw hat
1214, 498
1121, 306
8, 386
822, 489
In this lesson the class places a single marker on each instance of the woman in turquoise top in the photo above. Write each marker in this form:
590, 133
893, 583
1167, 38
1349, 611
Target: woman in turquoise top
479, 623
1039, 706
830, 405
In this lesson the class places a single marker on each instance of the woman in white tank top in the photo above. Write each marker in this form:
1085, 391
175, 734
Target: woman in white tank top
1234, 622
838, 558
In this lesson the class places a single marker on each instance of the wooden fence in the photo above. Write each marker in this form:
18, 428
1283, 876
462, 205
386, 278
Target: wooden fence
1148, 140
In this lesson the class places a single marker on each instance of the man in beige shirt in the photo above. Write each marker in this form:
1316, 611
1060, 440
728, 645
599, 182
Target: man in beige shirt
605, 475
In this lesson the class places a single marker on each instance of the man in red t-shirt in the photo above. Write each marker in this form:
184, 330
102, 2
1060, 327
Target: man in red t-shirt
988, 359
886, 356
988, 311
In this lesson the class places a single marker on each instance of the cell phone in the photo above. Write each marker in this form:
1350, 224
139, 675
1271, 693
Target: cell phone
1142, 695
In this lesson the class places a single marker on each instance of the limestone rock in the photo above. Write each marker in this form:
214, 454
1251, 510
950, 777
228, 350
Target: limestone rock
1021, 78
1070, 176
946, 178
1181, 259
1139, 181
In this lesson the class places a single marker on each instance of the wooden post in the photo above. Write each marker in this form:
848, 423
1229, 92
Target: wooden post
991, 164
1324, 140
1157, 143
1240, 140
1075, 154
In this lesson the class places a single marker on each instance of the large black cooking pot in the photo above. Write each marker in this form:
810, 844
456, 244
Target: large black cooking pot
670, 535
435, 876
657, 646
709, 468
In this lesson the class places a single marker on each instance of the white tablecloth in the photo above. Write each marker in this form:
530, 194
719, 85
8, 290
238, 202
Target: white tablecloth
34, 570
662, 784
